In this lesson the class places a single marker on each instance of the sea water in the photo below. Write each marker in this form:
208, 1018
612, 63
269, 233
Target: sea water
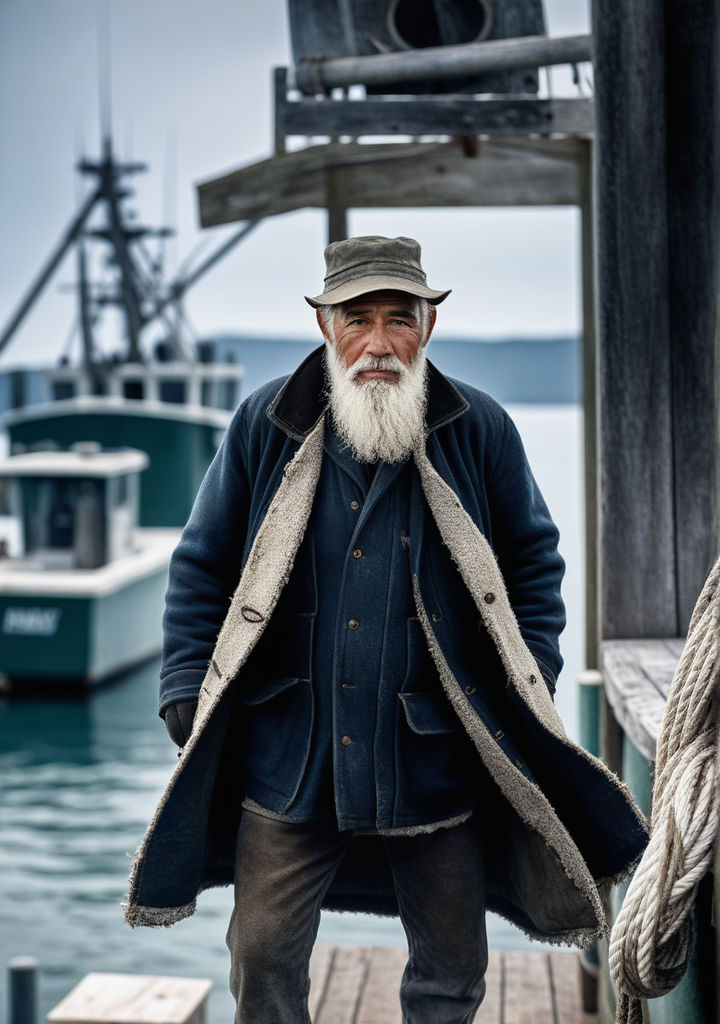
79, 780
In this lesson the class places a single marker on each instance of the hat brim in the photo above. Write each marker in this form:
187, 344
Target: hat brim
375, 283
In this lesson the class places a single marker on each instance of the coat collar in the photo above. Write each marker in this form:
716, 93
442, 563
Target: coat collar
301, 401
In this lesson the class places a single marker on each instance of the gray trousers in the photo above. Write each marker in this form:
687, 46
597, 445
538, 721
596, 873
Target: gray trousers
282, 874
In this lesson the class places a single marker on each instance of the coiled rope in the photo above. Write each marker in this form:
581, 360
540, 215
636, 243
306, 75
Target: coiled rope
653, 935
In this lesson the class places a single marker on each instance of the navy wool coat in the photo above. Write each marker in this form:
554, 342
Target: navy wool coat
485, 576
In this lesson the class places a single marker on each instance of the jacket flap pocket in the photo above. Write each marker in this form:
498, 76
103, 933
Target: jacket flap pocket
258, 693
430, 713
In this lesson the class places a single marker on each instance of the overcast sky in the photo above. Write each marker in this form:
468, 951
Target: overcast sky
193, 77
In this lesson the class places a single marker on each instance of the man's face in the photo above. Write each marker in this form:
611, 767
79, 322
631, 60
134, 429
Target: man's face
376, 326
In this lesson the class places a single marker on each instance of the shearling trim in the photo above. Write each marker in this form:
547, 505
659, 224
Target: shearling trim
266, 572
267, 569
254, 807
423, 830
157, 917
525, 798
581, 938
481, 574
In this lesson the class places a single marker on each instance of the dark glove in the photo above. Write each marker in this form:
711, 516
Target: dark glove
179, 720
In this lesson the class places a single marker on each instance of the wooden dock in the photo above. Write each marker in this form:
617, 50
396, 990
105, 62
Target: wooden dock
349, 985
359, 985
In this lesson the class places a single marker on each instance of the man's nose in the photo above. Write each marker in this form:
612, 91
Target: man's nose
378, 341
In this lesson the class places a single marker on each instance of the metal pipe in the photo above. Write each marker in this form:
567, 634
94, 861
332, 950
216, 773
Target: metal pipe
22, 983
441, 62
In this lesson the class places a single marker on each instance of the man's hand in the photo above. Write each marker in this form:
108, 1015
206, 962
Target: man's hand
179, 720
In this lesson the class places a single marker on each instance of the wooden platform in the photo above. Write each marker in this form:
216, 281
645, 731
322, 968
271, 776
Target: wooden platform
637, 676
359, 985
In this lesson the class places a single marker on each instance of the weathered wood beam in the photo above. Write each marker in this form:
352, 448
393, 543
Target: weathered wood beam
505, 172
435, 62
637, 524
692, 102
658, 227
435, 115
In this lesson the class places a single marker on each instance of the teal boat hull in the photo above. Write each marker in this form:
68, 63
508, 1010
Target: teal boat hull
83, 633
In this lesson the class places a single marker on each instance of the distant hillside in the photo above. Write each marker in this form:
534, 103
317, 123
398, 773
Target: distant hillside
513, 370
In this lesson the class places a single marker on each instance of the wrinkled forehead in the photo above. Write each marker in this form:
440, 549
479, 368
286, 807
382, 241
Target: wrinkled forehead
383, 301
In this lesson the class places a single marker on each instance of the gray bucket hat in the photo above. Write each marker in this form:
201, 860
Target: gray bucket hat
372, 263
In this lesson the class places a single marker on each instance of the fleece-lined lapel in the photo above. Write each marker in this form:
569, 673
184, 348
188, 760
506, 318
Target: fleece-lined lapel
266, 571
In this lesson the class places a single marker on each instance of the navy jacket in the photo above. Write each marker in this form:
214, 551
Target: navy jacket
400, 754
558, 821
472, 442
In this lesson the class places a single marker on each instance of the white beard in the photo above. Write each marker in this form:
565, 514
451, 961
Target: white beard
379, 420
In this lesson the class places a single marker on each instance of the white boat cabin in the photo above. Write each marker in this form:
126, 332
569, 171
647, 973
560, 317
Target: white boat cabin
75, 509
195, 384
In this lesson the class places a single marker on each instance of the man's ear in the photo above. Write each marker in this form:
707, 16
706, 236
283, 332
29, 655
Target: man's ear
321, 325
431, 324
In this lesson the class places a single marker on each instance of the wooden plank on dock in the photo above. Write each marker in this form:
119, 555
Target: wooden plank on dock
379, 1003
133, 999
637, 676
344, 989
320, 966
491, 1009
527, 995
567, 989
360, 985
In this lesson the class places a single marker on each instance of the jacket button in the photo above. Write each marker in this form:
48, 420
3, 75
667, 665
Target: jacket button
499, 734
354, 505
519, 763
353, 624
346, 741
470, 689
357, 553
533, 680
489, 598
436, 617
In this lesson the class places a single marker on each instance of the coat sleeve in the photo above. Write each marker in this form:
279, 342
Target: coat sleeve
525, 540
205, 569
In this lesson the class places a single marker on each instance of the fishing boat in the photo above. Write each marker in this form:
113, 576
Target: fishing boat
81, 586
160, 389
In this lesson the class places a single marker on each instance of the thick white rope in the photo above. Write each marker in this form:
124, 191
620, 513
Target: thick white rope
653, 935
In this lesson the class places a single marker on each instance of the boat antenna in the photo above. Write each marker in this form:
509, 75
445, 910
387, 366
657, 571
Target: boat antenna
104, 52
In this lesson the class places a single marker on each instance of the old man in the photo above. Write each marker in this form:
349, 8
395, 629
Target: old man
361, 647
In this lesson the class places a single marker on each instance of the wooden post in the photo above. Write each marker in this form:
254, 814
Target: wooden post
637, 528
590, 411
336, 186
22, 983
657, 257
693, 215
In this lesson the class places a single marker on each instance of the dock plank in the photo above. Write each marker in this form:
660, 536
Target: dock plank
133, 999
567, 991
637, 676
527, 993
320, 967
379, 1003
491, 1007
344, 989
